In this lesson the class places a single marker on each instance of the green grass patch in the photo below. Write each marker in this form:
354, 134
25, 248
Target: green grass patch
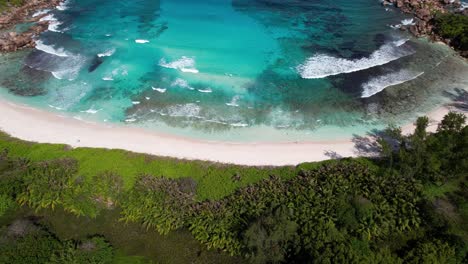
432, 191
214, 181
4, 4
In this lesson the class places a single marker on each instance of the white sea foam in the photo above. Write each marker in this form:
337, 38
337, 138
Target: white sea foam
41, 12
182, 83
63, 6
185, 110
136, 102
207, 90
408, 22
72, 67
184, 64
50, 49
121, 71
106, 53
60, 75
91, 111
56, 107
69, 74
239, 125
321, 65
215, 121
161, 90
69, 69
378, 84
66, 68
141, 41
234, 101
130, 120
54, 24
464, 5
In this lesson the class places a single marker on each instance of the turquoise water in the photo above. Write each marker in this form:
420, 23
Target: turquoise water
233, 70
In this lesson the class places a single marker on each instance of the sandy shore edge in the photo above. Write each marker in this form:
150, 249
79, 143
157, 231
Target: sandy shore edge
37, 125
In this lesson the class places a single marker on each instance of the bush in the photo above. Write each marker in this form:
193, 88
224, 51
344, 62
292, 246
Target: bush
455, 28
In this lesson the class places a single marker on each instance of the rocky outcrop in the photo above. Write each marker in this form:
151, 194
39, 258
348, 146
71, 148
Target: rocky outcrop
22, 14
12, 41
424, 12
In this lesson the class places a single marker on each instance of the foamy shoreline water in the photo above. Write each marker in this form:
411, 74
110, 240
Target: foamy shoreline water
46, 127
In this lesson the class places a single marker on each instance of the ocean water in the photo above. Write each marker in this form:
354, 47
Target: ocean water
240, 70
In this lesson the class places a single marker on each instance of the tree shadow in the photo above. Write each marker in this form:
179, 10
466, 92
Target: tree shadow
368, 146
459, 99
333, 155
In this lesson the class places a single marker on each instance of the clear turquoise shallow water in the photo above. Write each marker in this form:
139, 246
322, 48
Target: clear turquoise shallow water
233, 70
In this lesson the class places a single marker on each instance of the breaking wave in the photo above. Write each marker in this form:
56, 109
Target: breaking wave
207, 90
41, 12
91, 111
234, 101
60, 63
51, 49
464, 5
106, 53
321, 65
184, 64
182, 83
160, 90
63, 6
54, 24
378, 84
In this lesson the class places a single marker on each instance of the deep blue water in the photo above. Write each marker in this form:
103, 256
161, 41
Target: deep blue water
288, 68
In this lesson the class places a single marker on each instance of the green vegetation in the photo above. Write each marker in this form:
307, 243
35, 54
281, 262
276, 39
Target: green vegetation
4, 4
455, 28
409, 206
214, 181
25, 242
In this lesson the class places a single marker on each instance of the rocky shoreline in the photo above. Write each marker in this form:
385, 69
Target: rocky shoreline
424, 12
12, 41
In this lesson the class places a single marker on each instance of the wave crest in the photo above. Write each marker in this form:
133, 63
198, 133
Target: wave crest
60, 63
182, 83
321, 65
63, 6
51, 49
41, 12
107, 53
54, 24
378, 84
160, 90
184, 64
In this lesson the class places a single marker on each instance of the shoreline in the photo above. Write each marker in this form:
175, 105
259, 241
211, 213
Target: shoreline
424, 14
40, 126
11, 41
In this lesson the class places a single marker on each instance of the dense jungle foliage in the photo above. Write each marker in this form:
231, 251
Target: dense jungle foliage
408, 206
455, 28
25, 242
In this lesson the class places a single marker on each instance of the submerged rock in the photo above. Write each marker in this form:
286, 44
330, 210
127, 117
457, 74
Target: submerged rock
97, 61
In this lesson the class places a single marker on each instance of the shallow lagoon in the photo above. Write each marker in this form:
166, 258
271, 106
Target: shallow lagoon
234, 70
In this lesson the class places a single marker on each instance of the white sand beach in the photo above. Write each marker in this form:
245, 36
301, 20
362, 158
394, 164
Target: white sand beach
45, 127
